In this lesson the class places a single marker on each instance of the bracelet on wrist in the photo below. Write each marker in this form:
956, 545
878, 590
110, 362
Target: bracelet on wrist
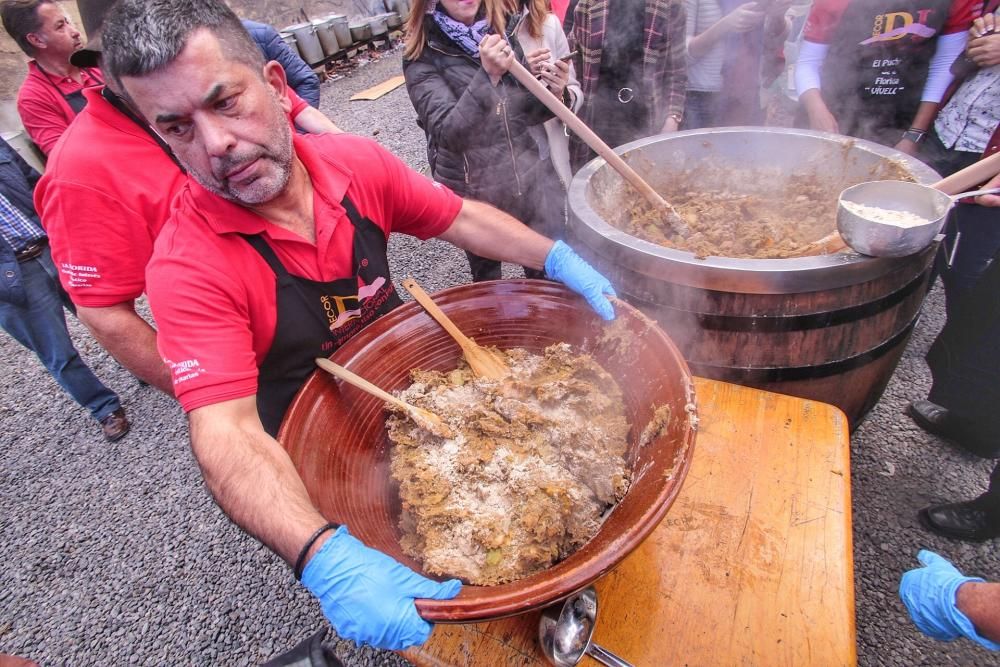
300, 561
915, 135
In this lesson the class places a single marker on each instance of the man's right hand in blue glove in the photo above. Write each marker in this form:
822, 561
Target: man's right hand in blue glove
929, 594
367, 596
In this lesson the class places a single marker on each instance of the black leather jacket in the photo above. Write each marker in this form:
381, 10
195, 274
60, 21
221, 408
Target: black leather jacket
477, 134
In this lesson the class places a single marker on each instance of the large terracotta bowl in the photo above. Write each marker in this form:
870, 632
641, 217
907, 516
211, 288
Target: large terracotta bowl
336, 434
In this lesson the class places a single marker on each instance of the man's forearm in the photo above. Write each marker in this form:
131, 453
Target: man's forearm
314, 121
981, 603
130, 340
491, 233
252, 478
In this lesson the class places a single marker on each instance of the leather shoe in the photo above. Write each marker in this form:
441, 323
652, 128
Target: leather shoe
115, 425
938, 421
932, 418
961, 521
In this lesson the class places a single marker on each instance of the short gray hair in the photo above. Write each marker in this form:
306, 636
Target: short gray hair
143, 36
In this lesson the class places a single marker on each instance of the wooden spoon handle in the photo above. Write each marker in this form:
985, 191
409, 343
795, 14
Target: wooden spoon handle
573, 122
424, 299
361, 383
971, 176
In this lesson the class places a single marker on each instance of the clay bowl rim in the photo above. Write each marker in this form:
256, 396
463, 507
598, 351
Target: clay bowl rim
535, 591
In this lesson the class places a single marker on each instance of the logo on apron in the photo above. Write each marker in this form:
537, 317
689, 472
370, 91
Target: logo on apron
340, 310
896, 25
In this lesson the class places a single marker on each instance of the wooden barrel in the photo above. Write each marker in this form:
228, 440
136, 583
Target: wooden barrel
830, 328
837, 346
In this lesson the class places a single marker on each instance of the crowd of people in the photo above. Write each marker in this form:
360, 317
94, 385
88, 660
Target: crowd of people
246, 210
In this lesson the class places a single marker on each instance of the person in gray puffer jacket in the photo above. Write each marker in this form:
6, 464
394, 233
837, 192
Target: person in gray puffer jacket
476, 116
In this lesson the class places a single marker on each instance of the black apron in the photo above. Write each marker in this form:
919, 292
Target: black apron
315, 318
875, 70
76, 101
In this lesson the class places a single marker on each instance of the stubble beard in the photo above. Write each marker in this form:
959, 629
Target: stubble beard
264, 188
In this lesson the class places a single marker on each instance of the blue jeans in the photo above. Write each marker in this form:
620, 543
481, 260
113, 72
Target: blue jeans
40, 326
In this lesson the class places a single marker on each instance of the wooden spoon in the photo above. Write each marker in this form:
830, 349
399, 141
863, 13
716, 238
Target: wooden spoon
829, 244
424, 418
970, 177
484, 362
573, 122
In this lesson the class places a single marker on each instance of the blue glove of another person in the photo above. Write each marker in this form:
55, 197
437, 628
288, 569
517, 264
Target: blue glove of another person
929, 595
367, 596
567, 267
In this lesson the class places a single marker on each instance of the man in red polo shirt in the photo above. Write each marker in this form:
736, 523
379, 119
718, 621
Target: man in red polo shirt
105, 194
269, 231
52, 94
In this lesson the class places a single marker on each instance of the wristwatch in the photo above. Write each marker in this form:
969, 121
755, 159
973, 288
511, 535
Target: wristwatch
915, 135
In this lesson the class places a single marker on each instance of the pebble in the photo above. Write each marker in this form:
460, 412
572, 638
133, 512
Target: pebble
116, 554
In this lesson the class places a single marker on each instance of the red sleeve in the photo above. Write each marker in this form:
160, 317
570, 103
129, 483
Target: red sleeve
823, 19
45, 116
415, 204
298, 104
203, 324
99, 245
963, 13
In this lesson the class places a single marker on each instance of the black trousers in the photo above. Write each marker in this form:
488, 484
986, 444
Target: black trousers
540, 205
964, 361
992, 495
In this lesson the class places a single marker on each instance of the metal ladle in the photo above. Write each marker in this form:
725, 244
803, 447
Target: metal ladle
564, 632
882, 239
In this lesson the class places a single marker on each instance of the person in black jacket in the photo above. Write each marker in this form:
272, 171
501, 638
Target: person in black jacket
31, 300
301, 77
476, 116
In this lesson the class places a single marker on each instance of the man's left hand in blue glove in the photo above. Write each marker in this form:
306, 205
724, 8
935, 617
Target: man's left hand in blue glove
567, 267
930, 594
489, 232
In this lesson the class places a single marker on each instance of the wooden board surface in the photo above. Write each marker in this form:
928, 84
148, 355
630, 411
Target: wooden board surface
752, 565
381, 89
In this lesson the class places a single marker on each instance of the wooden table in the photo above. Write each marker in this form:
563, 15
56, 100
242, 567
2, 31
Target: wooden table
752, 565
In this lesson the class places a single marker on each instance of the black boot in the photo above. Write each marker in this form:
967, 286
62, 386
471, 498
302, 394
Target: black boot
973, 520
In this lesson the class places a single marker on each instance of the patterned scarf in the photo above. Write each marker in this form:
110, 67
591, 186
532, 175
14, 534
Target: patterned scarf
467, 37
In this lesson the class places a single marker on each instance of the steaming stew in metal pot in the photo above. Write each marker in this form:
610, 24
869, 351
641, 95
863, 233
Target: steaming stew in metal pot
738, 212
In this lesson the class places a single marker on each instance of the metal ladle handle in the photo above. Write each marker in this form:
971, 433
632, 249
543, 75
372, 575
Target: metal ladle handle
605, 657
974, 193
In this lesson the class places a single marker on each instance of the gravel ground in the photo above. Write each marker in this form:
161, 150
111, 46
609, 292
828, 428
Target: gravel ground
115, 553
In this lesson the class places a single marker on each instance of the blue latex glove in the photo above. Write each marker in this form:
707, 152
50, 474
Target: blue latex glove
929, 595
567, 267
367, 596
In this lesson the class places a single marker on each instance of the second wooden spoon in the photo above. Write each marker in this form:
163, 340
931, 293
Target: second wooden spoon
483, 362
424, 418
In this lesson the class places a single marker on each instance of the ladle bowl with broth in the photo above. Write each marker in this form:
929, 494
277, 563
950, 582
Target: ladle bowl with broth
893, 218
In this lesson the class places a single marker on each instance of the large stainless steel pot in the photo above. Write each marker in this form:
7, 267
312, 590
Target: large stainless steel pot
829, 327
310, 47
361, 31
379, 25
327, 36
841, 159
342, 30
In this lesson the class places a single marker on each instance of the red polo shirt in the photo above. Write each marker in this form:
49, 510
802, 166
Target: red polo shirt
105, 194
213, 296
44, 111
